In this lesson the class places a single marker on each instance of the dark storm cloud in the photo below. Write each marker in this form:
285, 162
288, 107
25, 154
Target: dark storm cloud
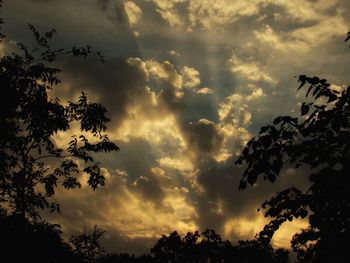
136, 158
114, 10
116, 82
148, 189
121, 84
83, 206
222, 201
221, 184
78, 23
104, 4
202, 137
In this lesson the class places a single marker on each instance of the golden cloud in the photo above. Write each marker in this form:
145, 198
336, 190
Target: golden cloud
204, 91
191, 77
251, 71
214, 14
133, 12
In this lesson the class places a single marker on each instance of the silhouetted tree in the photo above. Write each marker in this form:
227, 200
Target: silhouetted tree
87, 245
169, 248
25, 241
125, 258
320, 140
209, 247
31, 164
257, 251
212, 247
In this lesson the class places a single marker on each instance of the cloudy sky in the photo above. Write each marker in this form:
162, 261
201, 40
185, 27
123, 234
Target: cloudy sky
186, 84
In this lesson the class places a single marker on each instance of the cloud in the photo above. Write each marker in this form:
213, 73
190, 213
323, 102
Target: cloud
191, 77
116, 83
170, 17
174, 53
124, 208
180, 164
270, 37
187, 149
135, 92
167, 4
133, 12
304, 38
215, 14
256, 93
236, 107
202, 137
321, 32
175, 170
148, 189
231, 212
246, 227
2, 49
167, 10
251, 70
234, 119
165, 71
204, 91
305, 10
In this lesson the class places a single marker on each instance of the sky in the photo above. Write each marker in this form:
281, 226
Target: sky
186, 84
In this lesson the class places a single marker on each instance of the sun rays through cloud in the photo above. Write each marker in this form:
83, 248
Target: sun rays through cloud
186, 84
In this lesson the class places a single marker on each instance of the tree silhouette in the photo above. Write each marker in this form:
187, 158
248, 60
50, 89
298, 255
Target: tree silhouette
87, 246
209, 247
319, 140
31, 164
24, 241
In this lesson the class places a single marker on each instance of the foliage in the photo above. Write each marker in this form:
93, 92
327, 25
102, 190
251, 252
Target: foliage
319, 140
28, 241
25, 241
209, 247
31, 163
125, 258
87, 246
